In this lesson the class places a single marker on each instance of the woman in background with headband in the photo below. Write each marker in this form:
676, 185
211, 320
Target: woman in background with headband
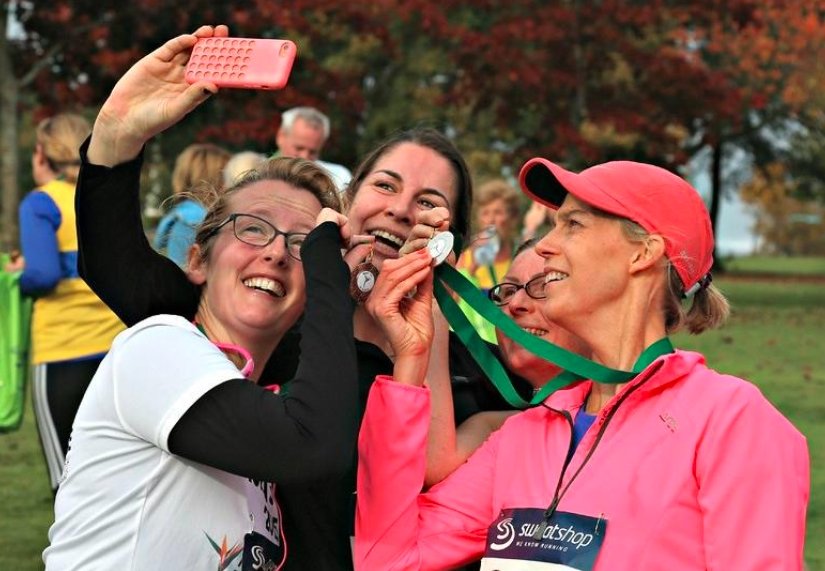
679, 468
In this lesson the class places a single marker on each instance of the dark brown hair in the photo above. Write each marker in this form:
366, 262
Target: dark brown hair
438, 142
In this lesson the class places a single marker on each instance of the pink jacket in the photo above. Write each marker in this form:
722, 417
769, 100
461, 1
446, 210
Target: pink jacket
692, 469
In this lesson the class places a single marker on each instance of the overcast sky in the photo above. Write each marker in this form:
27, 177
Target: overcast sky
734, 232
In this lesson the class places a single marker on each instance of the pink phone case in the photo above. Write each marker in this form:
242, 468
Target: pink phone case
248, 63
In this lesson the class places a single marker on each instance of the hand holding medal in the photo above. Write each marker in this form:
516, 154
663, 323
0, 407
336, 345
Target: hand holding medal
357, 255
362, 278
406, 320
431, 232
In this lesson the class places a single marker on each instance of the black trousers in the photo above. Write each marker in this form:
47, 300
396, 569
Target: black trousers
57, 389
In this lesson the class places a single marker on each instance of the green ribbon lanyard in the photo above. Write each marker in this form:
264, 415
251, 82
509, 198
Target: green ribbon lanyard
574, 367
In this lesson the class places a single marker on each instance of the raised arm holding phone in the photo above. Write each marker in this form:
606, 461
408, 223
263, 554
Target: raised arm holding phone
177, 447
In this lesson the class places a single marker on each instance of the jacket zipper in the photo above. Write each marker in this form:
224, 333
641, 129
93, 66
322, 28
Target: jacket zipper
559, 493
549, 511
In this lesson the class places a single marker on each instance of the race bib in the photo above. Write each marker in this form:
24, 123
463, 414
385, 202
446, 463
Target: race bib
260, 554
264, 548
522, 539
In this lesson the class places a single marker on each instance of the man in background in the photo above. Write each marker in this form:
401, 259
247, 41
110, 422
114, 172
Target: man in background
303, 133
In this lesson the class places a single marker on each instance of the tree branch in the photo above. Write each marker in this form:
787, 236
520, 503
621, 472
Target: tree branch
55, 48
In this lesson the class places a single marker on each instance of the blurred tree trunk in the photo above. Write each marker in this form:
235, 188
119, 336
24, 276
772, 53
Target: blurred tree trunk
717, 157
9, 194
10, 90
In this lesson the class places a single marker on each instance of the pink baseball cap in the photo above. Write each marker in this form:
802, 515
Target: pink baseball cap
656, 199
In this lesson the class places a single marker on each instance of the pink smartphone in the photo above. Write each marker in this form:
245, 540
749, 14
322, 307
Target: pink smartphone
244, 63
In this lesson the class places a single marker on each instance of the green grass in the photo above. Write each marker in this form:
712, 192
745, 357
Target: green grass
25, 498
773, 339
786, 265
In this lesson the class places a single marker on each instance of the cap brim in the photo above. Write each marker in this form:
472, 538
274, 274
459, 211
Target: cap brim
539, 180
549, 184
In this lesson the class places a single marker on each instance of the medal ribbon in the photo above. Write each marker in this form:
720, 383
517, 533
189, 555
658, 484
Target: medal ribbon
575, 367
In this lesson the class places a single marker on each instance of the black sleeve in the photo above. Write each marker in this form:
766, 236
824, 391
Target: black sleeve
114, 256
308, 433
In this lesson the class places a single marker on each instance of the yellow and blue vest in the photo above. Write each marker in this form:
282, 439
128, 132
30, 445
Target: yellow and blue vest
70, 321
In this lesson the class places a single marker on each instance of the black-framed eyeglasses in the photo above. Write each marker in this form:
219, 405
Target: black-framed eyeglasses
256, 231
502, 294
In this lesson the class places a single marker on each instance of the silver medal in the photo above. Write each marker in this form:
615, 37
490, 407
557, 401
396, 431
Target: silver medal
440, 246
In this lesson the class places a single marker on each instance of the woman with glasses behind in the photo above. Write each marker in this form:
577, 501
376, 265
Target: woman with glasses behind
176, 449
519, 295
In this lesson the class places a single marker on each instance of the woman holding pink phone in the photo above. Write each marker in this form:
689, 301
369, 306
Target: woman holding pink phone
177, 446
409, 174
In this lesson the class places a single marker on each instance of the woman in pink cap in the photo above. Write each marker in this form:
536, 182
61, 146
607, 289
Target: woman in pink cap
679, 468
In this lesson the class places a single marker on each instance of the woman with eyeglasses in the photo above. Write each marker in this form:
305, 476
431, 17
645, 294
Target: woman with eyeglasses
671, 465
177, 447
520, 295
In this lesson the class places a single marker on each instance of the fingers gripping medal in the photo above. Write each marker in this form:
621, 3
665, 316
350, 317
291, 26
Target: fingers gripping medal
440, 246
362, 279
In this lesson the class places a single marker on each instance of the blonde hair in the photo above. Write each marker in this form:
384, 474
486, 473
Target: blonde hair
496, 189
60, 138
708, 309
239, 164
299, 173
199, 166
